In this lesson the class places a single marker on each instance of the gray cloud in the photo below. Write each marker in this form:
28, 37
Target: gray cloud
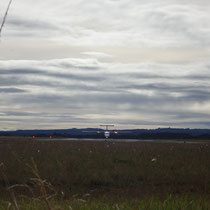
11, 90
116, 23
33, 24
141, 93
167, 85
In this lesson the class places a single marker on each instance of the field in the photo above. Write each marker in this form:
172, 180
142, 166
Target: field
103, 175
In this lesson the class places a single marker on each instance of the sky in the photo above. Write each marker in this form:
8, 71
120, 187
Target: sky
132, 63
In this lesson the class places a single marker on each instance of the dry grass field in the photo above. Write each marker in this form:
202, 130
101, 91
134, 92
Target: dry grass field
103, 174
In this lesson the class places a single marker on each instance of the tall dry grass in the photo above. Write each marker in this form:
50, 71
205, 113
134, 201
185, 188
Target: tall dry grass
111, 172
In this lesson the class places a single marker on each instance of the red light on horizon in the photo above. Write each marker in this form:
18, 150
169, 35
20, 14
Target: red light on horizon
33, 137
50, 137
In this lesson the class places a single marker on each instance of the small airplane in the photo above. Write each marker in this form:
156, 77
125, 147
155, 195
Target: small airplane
106, 132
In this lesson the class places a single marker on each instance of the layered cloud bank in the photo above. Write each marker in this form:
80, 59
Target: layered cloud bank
127, 62
66, 92
157, 23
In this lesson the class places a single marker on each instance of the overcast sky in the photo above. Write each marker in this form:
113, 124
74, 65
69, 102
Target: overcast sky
132, 63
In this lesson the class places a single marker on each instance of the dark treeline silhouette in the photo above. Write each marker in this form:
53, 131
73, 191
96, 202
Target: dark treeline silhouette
160, 133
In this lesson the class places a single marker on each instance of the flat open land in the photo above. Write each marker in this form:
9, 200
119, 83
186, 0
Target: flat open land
103, 174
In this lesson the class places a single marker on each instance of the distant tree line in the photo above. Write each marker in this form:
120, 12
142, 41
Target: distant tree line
132, 134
